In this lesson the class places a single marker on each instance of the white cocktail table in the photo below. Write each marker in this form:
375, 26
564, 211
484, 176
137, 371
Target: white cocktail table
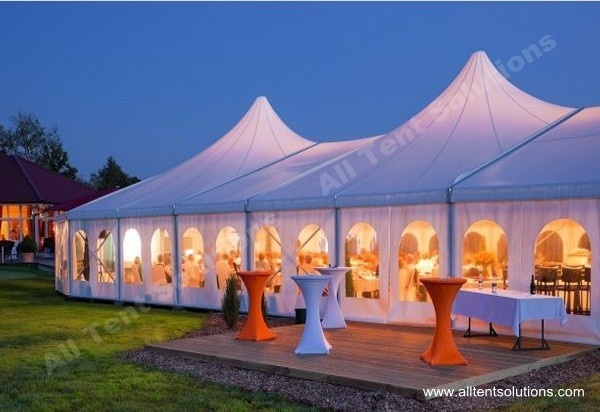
312, 341
333, 317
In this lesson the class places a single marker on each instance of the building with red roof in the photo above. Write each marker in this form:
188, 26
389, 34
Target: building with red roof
28, 196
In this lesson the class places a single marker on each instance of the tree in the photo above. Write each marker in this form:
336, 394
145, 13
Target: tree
111, 175
29, 139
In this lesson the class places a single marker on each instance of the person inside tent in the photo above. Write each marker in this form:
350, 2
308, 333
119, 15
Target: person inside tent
137, 266
192, 275
223, 270
134, 275
261, 263
307, 267
161, 272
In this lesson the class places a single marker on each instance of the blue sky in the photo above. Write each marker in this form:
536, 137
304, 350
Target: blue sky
155, 83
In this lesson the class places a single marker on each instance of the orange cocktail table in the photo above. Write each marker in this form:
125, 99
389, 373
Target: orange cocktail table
255, 327
442, 350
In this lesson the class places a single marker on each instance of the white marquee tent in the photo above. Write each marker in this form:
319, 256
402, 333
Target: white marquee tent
391, 206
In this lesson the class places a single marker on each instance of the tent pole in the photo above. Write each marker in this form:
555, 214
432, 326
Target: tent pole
119, 266
69, 256
248, 237
337, 236
451, 229
177, 274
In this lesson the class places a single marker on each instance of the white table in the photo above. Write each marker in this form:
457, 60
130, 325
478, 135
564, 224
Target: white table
333, 317
509, 307
313, 340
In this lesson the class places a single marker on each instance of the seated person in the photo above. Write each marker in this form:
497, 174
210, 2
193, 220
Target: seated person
192, 276
161, 273
307, 267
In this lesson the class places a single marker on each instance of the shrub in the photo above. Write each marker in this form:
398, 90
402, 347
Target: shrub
27, 245
231, 302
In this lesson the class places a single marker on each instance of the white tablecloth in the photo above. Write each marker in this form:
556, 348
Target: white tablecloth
508, 307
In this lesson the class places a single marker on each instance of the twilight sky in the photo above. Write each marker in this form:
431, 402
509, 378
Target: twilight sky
155, 83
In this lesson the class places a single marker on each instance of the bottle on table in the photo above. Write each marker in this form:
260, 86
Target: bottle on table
532, 285
480, 281
494, 285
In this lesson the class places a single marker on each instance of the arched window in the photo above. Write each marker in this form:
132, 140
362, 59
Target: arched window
417, 257
229, 254
267, 255
362, 255
160, 253
192, 248
105, 250
485, 251
312, 250
563, 264
82, 256
132, 257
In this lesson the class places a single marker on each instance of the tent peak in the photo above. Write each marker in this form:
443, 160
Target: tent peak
481, 53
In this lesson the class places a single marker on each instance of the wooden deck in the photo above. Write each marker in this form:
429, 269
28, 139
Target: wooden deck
377, 357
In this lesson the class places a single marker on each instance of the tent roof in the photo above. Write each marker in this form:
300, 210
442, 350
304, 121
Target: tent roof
24, 182
479, 116
560, 163
257, 140
233, 195
479, 120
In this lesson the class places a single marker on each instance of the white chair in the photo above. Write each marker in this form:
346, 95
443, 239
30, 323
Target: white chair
13, 252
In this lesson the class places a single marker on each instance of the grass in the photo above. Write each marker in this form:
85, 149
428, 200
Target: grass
589, 402
61, 355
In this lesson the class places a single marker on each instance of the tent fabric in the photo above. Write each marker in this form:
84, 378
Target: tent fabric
25, 182
262, 165
259, 139
479, 116
522, 223
232, 196
561, 163
480, 141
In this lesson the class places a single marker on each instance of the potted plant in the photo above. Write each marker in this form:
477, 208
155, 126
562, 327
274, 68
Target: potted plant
27, 248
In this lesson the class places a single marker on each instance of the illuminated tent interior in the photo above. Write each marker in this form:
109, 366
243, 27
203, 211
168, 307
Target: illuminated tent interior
414, 202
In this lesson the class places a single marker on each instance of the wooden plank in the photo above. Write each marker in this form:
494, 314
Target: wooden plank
375, 357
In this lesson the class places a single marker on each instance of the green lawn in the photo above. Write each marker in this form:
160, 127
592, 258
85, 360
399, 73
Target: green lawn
60, 355
589, 402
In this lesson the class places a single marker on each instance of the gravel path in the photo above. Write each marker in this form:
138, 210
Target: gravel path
341, 398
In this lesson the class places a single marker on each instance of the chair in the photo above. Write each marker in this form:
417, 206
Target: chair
571, 278
585, 288
546, 280
14, 252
